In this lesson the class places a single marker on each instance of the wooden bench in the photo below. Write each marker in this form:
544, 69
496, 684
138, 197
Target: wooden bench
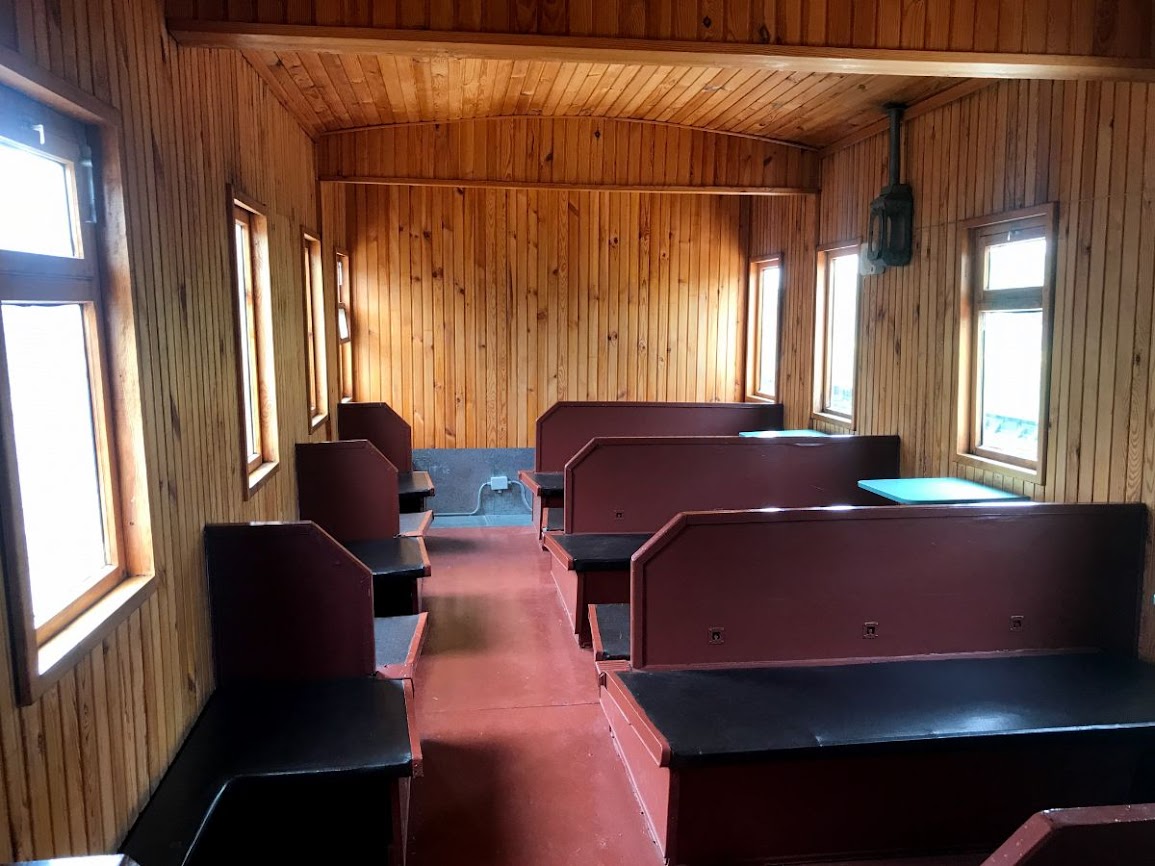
824, 683
631, 486
393, 437
1099, 835
349, 489
565, 428
302, 753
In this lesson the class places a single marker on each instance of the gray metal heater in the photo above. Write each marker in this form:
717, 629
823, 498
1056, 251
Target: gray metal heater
889, 238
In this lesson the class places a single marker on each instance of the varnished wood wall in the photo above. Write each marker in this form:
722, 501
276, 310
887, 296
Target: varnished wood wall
585, 151
1101, 27
475, 310
1089, 147
787, 227
75, 767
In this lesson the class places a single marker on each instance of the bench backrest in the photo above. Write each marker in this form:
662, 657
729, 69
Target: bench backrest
566, 427
377, 422
732, 589
1102, 835
638, 484
287, 602
349, 489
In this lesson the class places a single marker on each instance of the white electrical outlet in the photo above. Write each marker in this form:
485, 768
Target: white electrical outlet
499, 482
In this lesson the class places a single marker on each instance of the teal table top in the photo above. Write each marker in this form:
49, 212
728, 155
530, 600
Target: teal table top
778, 434
936, 491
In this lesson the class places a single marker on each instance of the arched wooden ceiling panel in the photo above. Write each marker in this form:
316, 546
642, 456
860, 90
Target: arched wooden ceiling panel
566, 152
339, 91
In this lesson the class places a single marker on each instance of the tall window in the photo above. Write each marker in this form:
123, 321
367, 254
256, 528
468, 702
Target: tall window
254, 342
838, 332
1006, 336
62, 524
344, 326
764, 306
316, 359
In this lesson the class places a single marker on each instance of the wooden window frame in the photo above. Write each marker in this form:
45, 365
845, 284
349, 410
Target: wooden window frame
754, 346
255, 344
822, 342
316, 357
98, 279
977, 234
344, 301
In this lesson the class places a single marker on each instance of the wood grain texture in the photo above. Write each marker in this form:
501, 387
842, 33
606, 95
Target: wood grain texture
1120, 28
75, 767
788, 227
476, 310
587, 151
1089, 147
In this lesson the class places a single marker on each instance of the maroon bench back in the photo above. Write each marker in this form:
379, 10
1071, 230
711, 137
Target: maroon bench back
377, 422
349, 489
565, 428
1099, 835
638, 484
732, 589
287, 602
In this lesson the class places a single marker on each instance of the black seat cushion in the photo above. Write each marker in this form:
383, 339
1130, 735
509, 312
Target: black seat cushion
735, 715
415, 483
593, 551
399, 558
549, 483
393, 636
614, 630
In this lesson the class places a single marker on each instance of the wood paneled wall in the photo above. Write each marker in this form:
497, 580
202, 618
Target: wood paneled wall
475, 310
566, 151
787, 227
1089, 147
75, 767
1102, 27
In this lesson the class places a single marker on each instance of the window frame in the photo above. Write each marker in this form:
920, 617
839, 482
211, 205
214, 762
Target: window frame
344, 303
978, 234
98, 279
823, 328
754, 346
316, 344
255, 346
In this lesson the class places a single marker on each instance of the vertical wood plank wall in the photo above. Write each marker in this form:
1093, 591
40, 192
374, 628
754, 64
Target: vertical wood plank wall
1103, 27
75, 767
1089, 147
786, 227
475, 310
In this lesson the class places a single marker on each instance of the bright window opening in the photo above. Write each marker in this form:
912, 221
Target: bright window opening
315, 354
1007, 337
764, 312
57, 453
840, 334
39, 209
344, 327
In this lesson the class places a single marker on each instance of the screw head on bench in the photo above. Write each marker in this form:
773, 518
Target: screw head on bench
715, 635
1016, 623
870, 630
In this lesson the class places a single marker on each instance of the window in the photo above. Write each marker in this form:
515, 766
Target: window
837, 332
1005, 340
764, 306
254, 343
344, 327
316, 360
75, 562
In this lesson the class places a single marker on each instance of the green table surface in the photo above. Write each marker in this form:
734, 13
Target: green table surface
778, 434
936, 491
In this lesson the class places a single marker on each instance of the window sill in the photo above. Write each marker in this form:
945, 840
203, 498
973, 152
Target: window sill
758, 398
316, 421
986, 464
260, 476
837, 420
61, 653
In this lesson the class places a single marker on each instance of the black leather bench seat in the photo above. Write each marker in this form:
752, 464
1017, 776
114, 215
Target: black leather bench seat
555, 520
548, 483
415, 483
592, 551
275, 735
399, 558
614, 630
393, 635
744, 715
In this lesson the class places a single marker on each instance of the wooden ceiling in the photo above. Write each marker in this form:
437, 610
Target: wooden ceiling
333, 91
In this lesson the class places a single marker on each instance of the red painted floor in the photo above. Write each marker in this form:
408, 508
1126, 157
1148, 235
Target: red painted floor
519, 766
